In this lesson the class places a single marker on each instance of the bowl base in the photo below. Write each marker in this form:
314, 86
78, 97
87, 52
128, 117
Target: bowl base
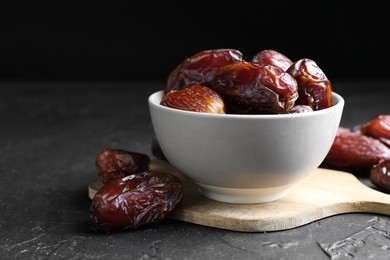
243, 196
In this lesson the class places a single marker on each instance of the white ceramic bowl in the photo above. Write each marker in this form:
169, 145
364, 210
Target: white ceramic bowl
244, 158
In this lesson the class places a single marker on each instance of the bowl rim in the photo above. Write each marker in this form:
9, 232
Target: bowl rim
337, 100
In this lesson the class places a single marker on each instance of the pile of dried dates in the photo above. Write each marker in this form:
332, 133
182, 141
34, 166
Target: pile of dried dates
132, 195
364, 148
221, 81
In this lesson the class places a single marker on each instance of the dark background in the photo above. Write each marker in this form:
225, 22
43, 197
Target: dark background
128, 40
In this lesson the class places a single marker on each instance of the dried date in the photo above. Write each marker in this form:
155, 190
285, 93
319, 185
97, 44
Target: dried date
380, 175
353, 150
200, 68
378, 128
195, 98
112, 164
135, 200
314, 88
265, 90
297, 109
272, 57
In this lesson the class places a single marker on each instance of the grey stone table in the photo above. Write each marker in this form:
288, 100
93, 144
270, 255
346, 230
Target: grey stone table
50, 135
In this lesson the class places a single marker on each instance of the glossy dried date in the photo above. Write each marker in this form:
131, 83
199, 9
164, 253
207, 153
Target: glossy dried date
135, 200
378, 128
194, 98
353, 150
112, 164
200, 68
272, 57
313, 86
297, 109
264, 90
380, 175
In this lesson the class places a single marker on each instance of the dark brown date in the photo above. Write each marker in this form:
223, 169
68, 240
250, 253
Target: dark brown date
378, 128
264, 90
272, 57
112, 164
194, 98
314, 88
297, 109
353, 150
380, 175
135, 200
200, 68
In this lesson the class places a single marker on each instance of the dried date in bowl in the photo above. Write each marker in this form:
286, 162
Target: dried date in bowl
260, 90
200, 68
195, 98
314, 88
272, 57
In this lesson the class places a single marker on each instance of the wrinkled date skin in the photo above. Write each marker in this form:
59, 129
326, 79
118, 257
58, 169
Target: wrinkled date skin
135, 200
380, 175
353, 150
200, 68
297, 109
195, 98
112, 164
378, 128
313, 86
255, 89
272, 57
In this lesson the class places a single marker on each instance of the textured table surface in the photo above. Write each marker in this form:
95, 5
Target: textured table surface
50, 135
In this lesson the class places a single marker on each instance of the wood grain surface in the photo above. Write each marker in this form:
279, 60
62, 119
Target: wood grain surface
321, 194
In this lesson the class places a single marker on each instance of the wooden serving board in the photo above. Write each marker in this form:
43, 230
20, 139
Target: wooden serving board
322, 194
